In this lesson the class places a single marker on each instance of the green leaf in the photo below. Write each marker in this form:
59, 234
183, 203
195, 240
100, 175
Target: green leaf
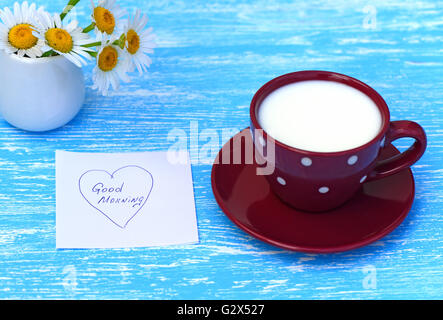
49, 53
71, 4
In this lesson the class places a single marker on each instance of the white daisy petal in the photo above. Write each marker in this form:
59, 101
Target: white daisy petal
115, 11
139, 43
113, 79
44, 19
111, 3
103, 80
17, 12
8, 18
24, 16
82, 53
72, 26
74, 59
143, 22
136, 18
31, 9
25, 12
81, 57
34, 52
73, 36
57, 20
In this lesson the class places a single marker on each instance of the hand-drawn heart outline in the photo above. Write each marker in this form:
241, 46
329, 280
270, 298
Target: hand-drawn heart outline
112, 177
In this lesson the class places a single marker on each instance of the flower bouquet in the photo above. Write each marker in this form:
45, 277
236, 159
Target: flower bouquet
45, 54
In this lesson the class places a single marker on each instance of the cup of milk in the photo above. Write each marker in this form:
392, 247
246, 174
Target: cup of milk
327, 130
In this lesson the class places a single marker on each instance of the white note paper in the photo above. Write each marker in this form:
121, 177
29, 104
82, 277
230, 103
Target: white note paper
120, 200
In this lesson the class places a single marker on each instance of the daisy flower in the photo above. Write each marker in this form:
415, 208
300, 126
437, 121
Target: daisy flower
111, 65
16, 31
139, 42
67, 41
106, 16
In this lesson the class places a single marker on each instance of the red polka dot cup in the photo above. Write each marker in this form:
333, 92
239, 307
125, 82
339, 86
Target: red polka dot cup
321, 181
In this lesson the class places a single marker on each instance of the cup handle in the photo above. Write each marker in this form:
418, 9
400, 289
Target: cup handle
397, 130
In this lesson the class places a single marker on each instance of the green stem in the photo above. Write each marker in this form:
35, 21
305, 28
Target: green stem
89, 28
71, 4
120, 42
49, 53
94, 44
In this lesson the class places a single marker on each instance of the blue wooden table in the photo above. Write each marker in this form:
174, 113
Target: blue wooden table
211, 58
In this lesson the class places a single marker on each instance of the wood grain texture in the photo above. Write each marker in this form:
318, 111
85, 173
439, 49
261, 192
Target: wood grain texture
212, 57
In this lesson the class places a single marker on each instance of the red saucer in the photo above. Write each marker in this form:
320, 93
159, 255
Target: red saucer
373, 213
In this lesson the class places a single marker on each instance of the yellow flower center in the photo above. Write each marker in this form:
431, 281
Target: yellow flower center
21, 37
108, 58
59, 40
132, 41
104, 20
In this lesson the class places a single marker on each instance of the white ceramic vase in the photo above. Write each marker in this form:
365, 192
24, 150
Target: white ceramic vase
40, 94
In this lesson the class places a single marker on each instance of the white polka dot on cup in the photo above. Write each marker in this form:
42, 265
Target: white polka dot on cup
323, 190
307, 162
281, 181
363, 179
352, 160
